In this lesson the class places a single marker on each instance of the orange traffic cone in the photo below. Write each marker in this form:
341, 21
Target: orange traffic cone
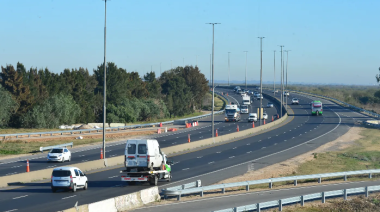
216, 133
253, 124
277, 116
237, 128
272, 118
264, 121
188, 138
101, 153
27, 166
160, 124
227, 94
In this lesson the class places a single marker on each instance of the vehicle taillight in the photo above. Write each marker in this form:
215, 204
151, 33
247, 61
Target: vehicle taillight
71, 178
131, 156
52, 178
148, 159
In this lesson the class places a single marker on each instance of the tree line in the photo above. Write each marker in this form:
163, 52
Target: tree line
43, 99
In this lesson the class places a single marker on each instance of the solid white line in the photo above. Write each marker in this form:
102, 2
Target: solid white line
200, 157
232, 157
249, 152
185, 168
11, 210
211, 162
69, 197
113, 176
20, 197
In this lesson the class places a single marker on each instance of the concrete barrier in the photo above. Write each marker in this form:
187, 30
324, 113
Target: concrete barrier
121, 203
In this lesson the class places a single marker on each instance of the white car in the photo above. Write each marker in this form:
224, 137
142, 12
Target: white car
59, 155
286, 93
295, 101
265, 116
252, 117
68, 178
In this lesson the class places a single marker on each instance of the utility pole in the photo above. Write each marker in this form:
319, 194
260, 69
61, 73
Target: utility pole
246, 69
213, 89
274, 73
261, 77
210, 70
104, 84
282, 92
229, 68
286, 86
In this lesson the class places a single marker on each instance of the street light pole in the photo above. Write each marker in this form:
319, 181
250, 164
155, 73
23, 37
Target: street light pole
213, 90
274, 73
210, 70
104, 83
261, 78
286, 86
282, 92
246, 69
229, 68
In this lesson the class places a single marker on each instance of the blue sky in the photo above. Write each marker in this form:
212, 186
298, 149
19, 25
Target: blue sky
330, 41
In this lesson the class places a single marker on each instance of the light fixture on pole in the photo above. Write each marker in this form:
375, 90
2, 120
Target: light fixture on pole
282, 92
213, 90
274, 73
246, 69
104, 83
286, 85
261, 78
229, 68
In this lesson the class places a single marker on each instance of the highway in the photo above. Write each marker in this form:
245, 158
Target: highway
249, 198
302, 134
92, 152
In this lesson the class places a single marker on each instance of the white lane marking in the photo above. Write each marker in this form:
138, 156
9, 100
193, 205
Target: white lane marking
234, 148
113, 176
263, 147
69, 197
217, 152
211, 162
185, 169
84, 160
284, 140
116, 186
232, 157
52, 166
269, 137
174, 142
200, 157
249, 152
11, 210
275, 144
16, 166
20, 197
276, 135
81, 155
248, 144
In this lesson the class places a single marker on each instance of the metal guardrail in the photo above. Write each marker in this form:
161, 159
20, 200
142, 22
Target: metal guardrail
184, 186
270, 181
42, 149
80, 131
303, 198
343, 103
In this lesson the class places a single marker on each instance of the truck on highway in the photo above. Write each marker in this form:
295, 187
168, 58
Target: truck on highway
144, 161
246, 100
316, 108
244, 109
232, 113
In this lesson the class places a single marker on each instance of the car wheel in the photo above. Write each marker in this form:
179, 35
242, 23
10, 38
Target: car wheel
53, 189
69, 159
63, 159
85, 186
74, 188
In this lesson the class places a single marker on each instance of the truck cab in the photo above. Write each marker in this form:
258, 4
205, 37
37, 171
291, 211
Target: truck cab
246, 100
244, 109
232, 113
143, 155
316, 108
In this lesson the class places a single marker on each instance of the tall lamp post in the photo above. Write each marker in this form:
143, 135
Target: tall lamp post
261, 78
213, 90
274, 73
286, 84
246, 69
229, 68
104, 83
282, 92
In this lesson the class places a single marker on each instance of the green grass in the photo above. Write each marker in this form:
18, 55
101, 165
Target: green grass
25, 130
219, 102
168, 119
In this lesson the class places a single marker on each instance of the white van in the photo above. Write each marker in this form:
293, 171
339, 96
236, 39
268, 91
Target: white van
143, 155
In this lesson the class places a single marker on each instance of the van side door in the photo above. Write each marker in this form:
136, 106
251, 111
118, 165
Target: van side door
130, 154
142, 154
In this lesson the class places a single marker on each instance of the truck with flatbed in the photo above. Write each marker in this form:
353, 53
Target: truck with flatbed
232, 113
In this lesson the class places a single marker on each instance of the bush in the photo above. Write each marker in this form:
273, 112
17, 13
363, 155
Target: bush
54, 111
7, 107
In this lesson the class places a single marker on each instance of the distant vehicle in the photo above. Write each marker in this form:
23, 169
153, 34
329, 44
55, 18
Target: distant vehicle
236, 88
259, 96
252, 117
246, 100
142, 155
286, 93
275, 91
240, 92
270, 104
244, 109
295, 101
68, 178
59, 155
316, 108
232, 113
265, 115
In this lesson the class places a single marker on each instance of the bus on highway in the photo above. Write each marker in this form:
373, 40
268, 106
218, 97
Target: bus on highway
316, 108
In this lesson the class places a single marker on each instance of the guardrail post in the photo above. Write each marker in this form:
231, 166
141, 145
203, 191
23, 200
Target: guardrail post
370, 175
80, 132
345, 177
323, 197
280, 205
28, 136
16, 136
179, 197
302, 201
366, 191
224, 190
183, 186
258, 207
247, 187
71, 133
345, 194
270, 185
40, 135
198, 183
165, 196
295, 182
320, 180
202, 193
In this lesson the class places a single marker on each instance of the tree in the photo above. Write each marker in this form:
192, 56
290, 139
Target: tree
197, 83
12, 81
8, 107
153, 86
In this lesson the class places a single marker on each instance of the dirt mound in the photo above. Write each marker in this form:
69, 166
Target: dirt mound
84, 127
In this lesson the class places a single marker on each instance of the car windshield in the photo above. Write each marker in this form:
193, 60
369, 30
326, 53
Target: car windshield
270, 103
131, 148
295, 99
317, 105
61, 173
244, 107
230, 110
56, 151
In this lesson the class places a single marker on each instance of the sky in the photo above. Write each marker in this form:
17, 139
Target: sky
330, 42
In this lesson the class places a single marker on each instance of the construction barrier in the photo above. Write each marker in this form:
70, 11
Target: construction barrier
160, 124
101, 153
216, 133
188, 138
237, 129
172, 129
272, 118
166, 129
264, 121
158, 131
253, 124
278, 116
